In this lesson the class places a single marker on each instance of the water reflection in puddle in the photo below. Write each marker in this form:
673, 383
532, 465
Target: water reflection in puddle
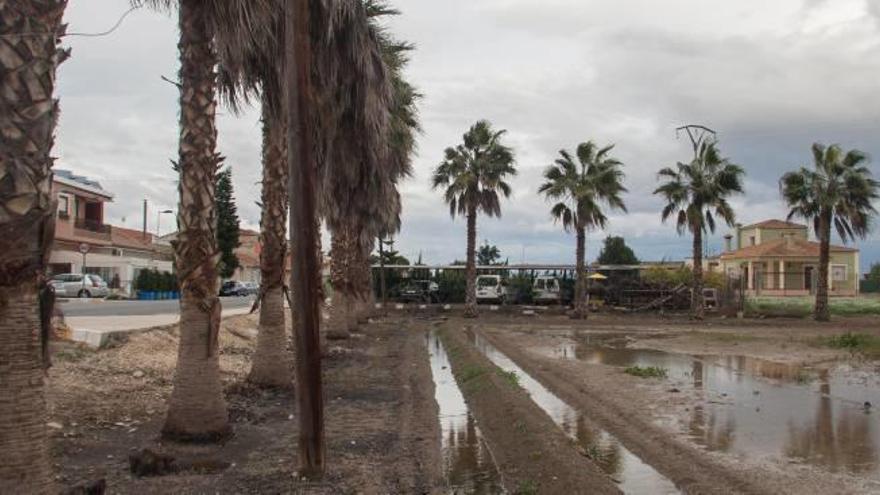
467, 462
755, 407
633, 475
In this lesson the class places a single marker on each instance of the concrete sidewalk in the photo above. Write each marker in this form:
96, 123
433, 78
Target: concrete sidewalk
95, 331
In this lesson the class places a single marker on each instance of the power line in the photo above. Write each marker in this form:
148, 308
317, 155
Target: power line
85, 35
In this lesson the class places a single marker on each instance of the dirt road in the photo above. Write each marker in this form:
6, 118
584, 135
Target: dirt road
382, 432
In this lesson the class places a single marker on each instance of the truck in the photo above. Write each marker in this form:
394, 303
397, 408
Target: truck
546, 290
491, 289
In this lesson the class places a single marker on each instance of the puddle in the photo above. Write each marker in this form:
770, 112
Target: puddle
631, 473
753, 407
467, 462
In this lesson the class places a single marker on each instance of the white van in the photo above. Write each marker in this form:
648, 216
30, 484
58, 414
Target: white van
546, 290
490, 288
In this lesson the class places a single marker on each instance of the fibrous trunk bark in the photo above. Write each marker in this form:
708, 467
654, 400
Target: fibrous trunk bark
306, 274
30, 31
341, 317
470, 303
580, 297
697, 304
822, 310
197, 408
272, 362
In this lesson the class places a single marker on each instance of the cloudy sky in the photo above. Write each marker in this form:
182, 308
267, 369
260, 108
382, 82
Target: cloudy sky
770, 77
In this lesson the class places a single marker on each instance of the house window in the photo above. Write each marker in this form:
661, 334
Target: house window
838, 273
63, 206
752, 240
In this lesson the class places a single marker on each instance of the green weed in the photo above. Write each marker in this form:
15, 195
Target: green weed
646, 371
527, 487
510, 376
856, 343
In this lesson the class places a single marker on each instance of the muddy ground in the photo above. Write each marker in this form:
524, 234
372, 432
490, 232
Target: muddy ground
651, 416
383, 431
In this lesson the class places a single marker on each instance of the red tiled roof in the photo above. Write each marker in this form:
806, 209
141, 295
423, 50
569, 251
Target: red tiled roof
775, 224
792, 248
131, 238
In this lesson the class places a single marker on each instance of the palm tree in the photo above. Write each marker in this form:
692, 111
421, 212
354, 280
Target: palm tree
249, 71
377, 194
197, 408
473, 174
582, 189
696, 193
838, 190
30, 31
272, 363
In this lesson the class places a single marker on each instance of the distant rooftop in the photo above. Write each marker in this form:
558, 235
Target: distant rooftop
775, 224
69, 178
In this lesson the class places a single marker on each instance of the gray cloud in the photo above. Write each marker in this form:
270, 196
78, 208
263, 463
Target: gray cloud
771, 78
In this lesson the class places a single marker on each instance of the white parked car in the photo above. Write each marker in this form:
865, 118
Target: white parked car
490, 288
546, 290
79, 285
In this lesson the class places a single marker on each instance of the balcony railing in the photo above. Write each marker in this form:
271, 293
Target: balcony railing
92, 226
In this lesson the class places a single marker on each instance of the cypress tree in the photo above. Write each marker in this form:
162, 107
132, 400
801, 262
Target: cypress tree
227, 224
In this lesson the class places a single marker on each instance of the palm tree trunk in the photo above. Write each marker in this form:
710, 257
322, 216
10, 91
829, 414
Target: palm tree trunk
580, 297
822, 310
470, 303
341, 310
197, 409
697, 304
28, 115
272, 363
306, 272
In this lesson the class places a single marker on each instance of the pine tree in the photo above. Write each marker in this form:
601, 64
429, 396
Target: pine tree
227, 224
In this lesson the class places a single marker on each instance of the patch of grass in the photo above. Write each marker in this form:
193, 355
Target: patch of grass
647, 371
856, 343
728, 337
509, 376
527, 487
471, 372
800, 307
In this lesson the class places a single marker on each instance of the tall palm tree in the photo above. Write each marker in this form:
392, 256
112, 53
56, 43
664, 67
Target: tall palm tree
30, 30
197, 408
582, 189
250, 71
696, 193
473, 173
377, 195
838, 190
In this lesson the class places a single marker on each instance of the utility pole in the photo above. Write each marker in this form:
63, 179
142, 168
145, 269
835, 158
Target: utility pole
145, 219
306, 266
382, 243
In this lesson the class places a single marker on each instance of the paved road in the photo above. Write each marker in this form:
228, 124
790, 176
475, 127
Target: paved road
98, 307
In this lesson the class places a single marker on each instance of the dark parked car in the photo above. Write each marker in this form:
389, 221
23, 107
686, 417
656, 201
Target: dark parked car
422, 291
233, 288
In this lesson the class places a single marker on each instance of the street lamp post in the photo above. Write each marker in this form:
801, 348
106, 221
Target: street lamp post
159, 219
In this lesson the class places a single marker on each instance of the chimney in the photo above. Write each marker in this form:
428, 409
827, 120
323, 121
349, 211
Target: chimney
728, 243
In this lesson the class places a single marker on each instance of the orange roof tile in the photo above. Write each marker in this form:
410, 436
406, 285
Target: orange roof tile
130, 238
775, 224
792, 248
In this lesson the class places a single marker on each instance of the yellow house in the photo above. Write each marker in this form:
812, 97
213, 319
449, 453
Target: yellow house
777, 258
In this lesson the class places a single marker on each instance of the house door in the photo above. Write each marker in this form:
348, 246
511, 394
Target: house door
808, 278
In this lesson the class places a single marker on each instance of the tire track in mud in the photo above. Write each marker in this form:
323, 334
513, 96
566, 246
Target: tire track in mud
533, 455
688, 467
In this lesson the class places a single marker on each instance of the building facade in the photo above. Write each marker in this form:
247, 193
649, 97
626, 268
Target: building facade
115, 253
777, 258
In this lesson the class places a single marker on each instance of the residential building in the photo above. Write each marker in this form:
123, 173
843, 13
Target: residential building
116, 254
775, 257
